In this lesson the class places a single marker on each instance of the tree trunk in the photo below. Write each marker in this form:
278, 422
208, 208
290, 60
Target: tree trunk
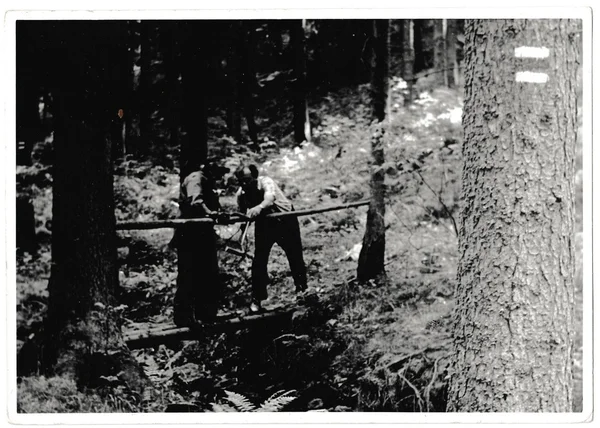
450, 52
132, 113
194, 73
301, 118
27, 94
418, 32
380, 69
145, 99
170, 37
25, 225
234, 116
439, 51
372, 254
513, 322
408, 59
249, 78
83, 338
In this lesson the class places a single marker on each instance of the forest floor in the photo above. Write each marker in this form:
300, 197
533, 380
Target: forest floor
381, 346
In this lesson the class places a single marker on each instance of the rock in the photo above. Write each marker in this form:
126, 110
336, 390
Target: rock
315, 403
342, 409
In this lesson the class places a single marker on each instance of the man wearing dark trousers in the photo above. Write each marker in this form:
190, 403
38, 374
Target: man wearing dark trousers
198, 285
257, 197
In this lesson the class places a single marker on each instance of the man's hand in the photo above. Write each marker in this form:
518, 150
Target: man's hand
253, 212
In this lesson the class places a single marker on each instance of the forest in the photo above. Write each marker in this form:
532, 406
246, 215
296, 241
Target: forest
435, 172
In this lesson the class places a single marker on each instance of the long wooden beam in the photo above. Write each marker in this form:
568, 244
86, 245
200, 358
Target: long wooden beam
161, 224
170, 334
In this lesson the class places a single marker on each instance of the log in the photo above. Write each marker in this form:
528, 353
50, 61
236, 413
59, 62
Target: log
161, 224
300, 213
224, 323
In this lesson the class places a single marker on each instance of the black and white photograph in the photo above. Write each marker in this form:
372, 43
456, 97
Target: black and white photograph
231, 216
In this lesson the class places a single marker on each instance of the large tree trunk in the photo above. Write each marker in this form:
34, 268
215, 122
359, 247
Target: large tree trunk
513, 324
372, 254
301, 119
83, 337
194, 73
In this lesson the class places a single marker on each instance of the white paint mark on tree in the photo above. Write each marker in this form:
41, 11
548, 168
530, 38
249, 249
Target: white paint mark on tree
531, 77
532, 52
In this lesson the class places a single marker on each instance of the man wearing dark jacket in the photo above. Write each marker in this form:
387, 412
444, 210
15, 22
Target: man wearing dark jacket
257, 197
198, 284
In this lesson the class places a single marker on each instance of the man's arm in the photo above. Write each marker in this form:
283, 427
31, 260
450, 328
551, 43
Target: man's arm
268, 199
193, 189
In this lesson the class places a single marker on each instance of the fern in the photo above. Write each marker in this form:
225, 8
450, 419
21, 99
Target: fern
240, 403
277, 401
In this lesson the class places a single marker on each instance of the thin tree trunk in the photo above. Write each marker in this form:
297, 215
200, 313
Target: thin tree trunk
450, 50
513, 320
27, 96
249, 79
132, 113
301, 119
439, 51
380, 73
171, 36
372, 254
83, 338
420, 58
234, 64
145, 98
408, 58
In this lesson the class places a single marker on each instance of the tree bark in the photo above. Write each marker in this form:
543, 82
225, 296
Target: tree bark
513, 321
301, 119
83, 338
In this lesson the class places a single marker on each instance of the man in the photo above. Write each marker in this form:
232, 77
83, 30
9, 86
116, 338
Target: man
198, 285
257, 197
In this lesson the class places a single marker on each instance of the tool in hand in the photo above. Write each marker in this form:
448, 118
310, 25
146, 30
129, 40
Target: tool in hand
242, 250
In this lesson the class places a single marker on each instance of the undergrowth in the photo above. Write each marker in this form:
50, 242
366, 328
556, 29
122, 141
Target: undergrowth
381, 346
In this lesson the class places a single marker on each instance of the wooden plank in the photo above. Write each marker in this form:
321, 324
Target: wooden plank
170, 333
